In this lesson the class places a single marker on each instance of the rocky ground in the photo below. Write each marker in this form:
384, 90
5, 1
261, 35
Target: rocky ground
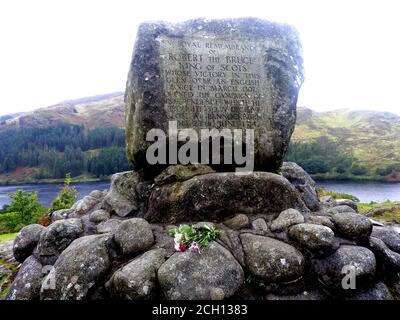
8, 265
278, 240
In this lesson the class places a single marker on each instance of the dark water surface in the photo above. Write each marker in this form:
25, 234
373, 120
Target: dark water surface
366, 191
48, 192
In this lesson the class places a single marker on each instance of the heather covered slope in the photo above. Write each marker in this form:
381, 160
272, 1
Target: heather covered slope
92, 112
366, 144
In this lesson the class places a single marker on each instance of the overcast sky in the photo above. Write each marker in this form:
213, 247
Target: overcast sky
55, 50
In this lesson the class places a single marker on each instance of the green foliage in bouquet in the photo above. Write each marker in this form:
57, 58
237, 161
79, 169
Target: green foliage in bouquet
186, 234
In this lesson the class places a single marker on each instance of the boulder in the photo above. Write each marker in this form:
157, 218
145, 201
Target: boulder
312, 236
347, 202
78, 269
286, 219
218, 195
138, 279
339, 209
272, 260
273, 54
231, 241
61, 214
212, 274
296, 174
99, 216
133, 235
321, 220
26, 241
327, 201
389, 259
237, 222
389, 236
84, 205
332, 269
108, 226
260, 225
97, 194
379, 291
26, 285
303, 183
121, 198
56, 238
352, 225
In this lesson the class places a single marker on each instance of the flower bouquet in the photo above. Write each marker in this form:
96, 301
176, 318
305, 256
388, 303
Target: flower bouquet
192, 238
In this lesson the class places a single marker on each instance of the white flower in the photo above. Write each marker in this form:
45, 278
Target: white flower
178, 237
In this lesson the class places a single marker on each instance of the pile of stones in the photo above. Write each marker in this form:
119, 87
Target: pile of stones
283, 243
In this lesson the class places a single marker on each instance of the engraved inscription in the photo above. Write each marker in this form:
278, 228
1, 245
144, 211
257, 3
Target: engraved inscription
215, 83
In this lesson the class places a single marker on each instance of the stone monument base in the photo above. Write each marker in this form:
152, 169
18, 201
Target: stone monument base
274, 233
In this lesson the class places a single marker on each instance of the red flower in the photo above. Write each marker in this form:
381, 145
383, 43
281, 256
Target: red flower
180, 247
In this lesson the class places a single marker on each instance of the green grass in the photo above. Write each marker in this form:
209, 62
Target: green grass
335, 195
388, 213
7, 236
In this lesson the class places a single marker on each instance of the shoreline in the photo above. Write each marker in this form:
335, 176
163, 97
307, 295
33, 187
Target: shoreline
88, 180
51, 181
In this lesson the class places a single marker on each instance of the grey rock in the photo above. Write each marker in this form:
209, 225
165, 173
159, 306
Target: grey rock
276, 59
231, 241
26, 285
56, 238
134, 235
138, 279
322, 220
99, 216
6, 253
379, 291
271, 259
312, 236
96, 194
215, 196
121, 198
296, 174
339, 209
61, 214
347, 202
84, 205
78, 269
26, 241
303, 183
214, 273
237, 222
389, 259
108, 226
332, 269
389, 236
352, 225
327, 201
260, 225
201, 224
286, 219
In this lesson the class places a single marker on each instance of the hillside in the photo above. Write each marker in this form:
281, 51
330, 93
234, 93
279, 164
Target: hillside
86, 136
83, 136
369, 139
92, 112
